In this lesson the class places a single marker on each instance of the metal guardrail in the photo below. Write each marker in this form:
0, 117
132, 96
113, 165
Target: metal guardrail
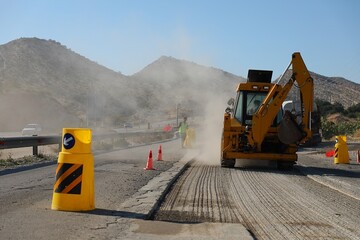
34, 141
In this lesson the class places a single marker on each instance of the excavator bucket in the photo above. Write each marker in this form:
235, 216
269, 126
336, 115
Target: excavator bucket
289, 131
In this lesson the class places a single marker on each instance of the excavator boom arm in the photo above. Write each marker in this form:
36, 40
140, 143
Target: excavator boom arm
271, 105
306, 85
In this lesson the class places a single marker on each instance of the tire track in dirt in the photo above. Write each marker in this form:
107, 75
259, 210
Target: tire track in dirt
271, 204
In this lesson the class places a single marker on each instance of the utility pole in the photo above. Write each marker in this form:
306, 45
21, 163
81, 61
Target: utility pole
177, 114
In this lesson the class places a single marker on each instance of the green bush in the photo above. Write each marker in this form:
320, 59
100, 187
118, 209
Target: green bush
327, 108
330, 129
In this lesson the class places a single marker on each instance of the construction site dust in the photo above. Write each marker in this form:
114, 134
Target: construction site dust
46, 83
210, 133
19, 109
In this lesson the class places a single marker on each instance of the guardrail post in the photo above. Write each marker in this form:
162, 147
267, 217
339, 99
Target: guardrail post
35, 150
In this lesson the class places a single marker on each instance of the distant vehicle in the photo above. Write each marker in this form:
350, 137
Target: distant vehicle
31, 129
128, 125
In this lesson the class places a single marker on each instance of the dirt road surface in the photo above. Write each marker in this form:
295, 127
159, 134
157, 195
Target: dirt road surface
271, 204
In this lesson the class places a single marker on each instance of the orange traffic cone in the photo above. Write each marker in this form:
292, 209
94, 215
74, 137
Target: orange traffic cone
149, 164
358, 157
159, 156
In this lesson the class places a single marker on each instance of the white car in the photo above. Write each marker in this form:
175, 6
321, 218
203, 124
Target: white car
32, 129
128, 125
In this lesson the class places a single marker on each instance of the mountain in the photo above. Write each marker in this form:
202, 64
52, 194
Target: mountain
37, 72
45, 82
336, 89
331, 89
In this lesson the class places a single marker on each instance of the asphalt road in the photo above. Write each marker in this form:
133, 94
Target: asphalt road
25, 210
316, 200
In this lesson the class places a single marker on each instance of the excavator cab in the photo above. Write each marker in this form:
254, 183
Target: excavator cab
251, 95
247, 105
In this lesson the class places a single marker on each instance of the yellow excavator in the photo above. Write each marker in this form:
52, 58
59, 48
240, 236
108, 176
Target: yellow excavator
255, 125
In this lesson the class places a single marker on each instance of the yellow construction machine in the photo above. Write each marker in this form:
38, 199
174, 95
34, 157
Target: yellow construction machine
255, 125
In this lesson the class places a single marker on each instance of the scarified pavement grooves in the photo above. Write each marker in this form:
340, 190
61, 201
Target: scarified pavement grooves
270, 203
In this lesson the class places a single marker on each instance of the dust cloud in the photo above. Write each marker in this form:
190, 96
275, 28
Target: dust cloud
211, 131
203, 94
19, 109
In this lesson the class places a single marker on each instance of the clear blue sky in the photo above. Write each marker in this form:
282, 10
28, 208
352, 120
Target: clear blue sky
231, 35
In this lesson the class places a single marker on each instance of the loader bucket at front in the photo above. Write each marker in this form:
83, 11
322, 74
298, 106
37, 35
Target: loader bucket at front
289, 132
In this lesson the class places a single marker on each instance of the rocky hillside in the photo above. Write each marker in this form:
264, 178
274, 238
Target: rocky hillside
331, 89
42, 81
45, 82
336, 89
36, 72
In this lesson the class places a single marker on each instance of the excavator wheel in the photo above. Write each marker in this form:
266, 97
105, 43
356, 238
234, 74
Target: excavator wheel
285, 165
228, 163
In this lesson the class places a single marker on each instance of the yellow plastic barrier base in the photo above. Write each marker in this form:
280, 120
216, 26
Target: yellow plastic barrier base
74, 187
341, 151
